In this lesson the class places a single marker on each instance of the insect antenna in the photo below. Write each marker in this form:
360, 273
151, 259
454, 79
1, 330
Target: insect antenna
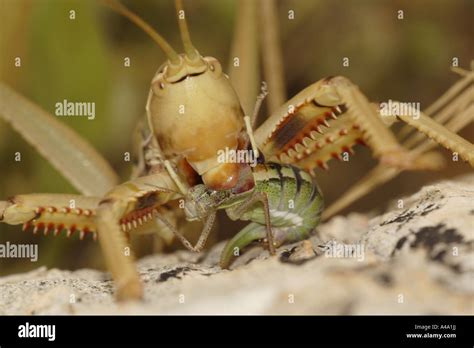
250, 121
164, 45
190, 50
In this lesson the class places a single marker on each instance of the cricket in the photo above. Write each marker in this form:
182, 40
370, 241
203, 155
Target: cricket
194, 113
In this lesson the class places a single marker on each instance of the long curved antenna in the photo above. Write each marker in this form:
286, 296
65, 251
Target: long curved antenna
190, 50
164, 45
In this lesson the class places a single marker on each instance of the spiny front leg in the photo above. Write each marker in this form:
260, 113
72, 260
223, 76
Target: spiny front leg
146, 193
118, 256
52, 213
130, 207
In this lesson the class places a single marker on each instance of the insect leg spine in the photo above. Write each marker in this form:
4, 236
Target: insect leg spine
56, 219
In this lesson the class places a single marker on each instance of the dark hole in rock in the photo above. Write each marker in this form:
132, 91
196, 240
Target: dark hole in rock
174, 273
285, 257
385, 279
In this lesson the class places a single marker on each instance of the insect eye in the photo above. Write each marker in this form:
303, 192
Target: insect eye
214, 66
158, 86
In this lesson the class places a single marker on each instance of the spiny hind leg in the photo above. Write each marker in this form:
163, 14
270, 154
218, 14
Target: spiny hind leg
441, 135
416, 119
374, 128
381, 174
326, 119
452, 102
454, 109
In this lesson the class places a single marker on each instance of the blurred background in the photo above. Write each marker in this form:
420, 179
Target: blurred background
83, 60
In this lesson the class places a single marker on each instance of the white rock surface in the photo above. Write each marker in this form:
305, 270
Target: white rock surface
412, 260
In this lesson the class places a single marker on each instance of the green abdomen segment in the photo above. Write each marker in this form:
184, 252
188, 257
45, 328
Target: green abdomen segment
295, 204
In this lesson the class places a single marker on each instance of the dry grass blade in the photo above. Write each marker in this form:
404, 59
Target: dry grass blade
272, 57
245, 76
70, 154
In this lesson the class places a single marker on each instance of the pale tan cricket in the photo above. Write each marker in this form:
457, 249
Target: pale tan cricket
324, 120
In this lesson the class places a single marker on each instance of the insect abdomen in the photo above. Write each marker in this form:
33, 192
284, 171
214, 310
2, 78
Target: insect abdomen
295, 201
